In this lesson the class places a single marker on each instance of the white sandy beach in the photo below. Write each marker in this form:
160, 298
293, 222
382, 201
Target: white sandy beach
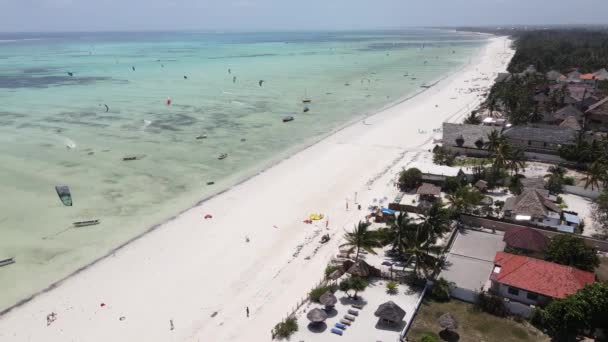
190, 268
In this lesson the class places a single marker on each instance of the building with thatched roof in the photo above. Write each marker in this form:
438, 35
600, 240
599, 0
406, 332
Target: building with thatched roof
316, 315
540, 138
428, 192
571, 123
359, 269
597, 115
532, 206
390, 312
533, 183
481, 185
563, 113
466, 139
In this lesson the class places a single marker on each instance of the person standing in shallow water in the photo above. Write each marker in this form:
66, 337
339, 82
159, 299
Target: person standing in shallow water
247, 311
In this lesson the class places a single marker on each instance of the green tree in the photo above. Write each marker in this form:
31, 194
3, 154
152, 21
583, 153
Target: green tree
410, 178
398, 231
599, 210
353, 283
360, 238
596, 174
586, 310
493, 141
464, 200
572, 251
555, 179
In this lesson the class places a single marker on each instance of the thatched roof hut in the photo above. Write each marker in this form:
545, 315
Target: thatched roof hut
316, 315
390, 312
427, 189
447, 321
328, 299
360, 269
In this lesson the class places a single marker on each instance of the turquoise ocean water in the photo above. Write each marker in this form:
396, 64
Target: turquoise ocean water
54, 128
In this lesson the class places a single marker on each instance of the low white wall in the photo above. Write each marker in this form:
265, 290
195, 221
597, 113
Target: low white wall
519, 309
580, 191
465, 295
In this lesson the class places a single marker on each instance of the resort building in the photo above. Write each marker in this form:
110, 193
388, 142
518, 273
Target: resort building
466, 139
540, 139
533, 206
597, 116
526, 240
534, 281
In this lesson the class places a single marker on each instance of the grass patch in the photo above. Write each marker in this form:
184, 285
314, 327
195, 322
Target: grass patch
474, 325
470, 161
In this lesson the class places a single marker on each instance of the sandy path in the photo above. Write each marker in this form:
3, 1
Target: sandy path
190, 268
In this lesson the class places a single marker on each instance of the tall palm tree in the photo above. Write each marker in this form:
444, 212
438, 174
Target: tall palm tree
398, 231
596, 174
360, 238
494, 139
436, 222
516, 160
464, 199
419, 245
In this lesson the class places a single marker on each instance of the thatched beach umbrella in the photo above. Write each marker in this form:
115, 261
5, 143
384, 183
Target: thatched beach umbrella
360, 269
390, 312
316, 315
447, 321
328, 299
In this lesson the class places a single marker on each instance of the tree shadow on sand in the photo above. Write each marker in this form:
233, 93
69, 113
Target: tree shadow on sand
382, 325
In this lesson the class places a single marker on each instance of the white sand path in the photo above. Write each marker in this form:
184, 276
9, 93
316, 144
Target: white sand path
189, 268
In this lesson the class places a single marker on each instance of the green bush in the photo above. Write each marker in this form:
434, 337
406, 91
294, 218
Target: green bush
569, 180
392, 287
491, 304
428, 337
441, 290
285, 329
329, 270
316, 293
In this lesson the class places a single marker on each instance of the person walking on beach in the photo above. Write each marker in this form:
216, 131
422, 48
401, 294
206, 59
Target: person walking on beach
346, 205
247, 311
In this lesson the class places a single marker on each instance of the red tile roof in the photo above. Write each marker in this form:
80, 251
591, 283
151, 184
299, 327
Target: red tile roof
526, 238
587, 76
539, 276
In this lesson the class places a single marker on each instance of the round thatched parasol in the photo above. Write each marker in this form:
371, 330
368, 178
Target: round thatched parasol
316, 315
447, 321
328, 299
390, 312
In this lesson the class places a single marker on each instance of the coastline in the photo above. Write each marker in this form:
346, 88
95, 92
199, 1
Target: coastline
123, 259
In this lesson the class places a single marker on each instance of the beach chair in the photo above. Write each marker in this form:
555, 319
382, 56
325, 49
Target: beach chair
349, 317
357, 306
340, 326
353, 312
337, 331
345, 321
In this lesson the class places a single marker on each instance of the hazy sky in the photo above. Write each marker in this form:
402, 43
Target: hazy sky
89, 15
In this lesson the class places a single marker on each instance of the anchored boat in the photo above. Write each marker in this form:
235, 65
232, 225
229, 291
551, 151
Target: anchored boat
85, 223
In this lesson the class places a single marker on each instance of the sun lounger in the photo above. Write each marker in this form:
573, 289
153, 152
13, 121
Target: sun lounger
350, 317
353, 312
340, 326
337, 331
345, 321
357, 306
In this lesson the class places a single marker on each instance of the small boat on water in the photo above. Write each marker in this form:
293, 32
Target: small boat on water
63, 191
129, 158
425, 86
222, 156
7, 261
288, 118
202, 136
306, 109
85, 223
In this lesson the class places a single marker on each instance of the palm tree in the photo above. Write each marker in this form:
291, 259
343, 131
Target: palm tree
463, 199
436, 221
398, 231
516, 160
596, 174
419, 245
360, 238
494, 139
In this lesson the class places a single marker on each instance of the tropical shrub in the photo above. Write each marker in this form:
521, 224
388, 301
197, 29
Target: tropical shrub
572, 251
491, 304
392, 287
285, 329
316, 293
410, 178
428, 337
441, 290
